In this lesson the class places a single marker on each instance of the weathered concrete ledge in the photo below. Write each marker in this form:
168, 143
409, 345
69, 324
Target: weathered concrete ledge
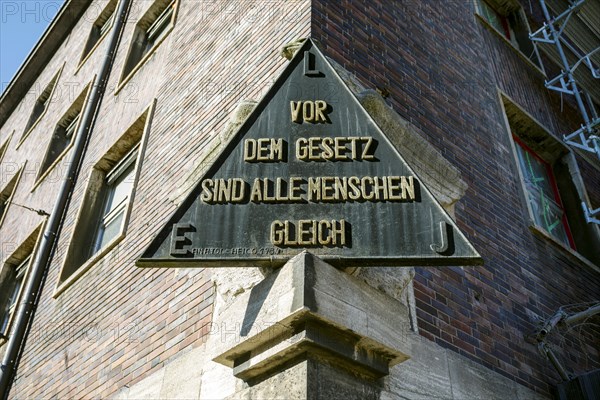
309, 309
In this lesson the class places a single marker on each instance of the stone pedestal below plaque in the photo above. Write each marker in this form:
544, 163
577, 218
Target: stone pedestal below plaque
308, 324
310, 331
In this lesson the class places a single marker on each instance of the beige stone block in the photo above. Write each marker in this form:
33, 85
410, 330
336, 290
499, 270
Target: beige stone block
310, 308
182, 379
471, 381
148, 388
425, 376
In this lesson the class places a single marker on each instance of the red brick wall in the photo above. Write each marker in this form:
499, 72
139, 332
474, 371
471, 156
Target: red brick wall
442, 68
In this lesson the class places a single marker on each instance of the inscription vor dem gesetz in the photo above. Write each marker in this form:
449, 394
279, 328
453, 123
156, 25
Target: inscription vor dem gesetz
309, 189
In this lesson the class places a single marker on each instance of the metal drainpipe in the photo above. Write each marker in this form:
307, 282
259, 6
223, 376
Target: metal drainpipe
33, 288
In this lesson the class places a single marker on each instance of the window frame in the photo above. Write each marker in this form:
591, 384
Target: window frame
508, 35
83, 97
127, 70
568, 180
4, 146
33, 123
17, 179
26, 252
111, 177
13, 300
88, 49
74, 266
555, 190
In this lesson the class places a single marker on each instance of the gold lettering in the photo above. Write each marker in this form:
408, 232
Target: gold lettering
267, 198
338, 232
296, 106
308, 111
238, 190
340, 148
341, 188
263, 149
380, 188
394, 188
295, 188
353, 183
312, 111
279, 189
249, 150
304, 226
307, 232
363, 188
313, 149
326, 143
277, 236
366, 154
327, 188
320, 108
223, 188
324, 237
207, 194
337, 148
276, 150
256, 194
353, 151
301, 150
314, 189
408, 188
289, 240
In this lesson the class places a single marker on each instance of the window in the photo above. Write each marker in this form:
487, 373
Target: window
6, 195
149, 33
119, 185
106, 205
99, 29
13, 277
63, 135
12, 285
104, 213
40, 106
509, 20
498, 21
5, 146
552, 186
542, 194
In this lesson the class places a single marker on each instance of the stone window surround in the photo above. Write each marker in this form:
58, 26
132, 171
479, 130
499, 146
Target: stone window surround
521, 15
85, 55
121, 148
4, 146
82, 98
560, 150
16, 178
52, 83
28, 248
144, 20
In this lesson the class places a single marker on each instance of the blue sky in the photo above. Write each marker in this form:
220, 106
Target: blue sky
22, 23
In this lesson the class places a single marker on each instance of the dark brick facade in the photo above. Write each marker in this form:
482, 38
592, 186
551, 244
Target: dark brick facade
442, 68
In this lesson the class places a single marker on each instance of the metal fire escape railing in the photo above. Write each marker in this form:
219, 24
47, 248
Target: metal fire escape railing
571, 38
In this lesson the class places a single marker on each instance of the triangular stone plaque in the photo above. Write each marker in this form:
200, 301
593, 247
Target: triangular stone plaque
309, 169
